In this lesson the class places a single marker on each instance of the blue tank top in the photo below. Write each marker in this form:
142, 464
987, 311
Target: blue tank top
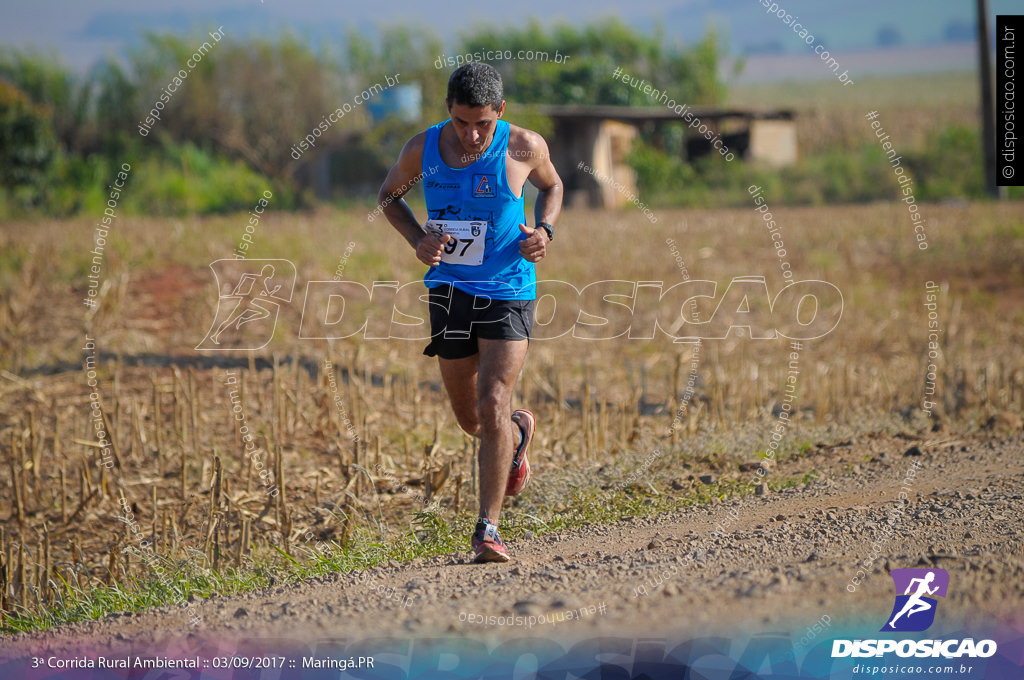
479, 191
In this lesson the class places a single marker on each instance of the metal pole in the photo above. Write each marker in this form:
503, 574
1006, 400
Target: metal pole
988, 116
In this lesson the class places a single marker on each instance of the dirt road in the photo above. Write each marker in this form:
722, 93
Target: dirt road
785, 561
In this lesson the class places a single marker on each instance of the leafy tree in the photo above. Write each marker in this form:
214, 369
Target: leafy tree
116, 107
27, 146
250, 100
48, 83
589, 57
254, 101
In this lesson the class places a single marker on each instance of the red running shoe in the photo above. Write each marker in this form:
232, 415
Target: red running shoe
519, 475
487, 544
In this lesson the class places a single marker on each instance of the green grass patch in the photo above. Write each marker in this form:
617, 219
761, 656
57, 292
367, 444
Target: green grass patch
430, 533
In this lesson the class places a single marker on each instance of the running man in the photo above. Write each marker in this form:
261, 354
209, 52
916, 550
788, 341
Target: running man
481, 278
914, 603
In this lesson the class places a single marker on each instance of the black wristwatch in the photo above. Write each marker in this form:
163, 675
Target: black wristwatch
548, 228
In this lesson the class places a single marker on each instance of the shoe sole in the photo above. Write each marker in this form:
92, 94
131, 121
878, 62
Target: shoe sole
532, 430
489, 555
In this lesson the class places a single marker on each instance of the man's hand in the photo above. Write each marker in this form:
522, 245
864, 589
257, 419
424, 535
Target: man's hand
429, 248
534, 248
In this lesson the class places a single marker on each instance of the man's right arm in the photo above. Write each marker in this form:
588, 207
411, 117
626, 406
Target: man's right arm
401, 178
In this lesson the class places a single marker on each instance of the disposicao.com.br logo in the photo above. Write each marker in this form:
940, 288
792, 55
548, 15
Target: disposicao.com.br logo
914, 611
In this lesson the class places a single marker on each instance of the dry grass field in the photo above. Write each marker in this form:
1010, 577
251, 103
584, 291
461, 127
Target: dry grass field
914, 108
364, 452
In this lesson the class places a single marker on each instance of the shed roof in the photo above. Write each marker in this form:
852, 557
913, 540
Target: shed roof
642, 113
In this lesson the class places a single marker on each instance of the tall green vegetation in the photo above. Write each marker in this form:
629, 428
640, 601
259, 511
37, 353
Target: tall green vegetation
27, 147
948, 167
241, 109
589, 56
232, 126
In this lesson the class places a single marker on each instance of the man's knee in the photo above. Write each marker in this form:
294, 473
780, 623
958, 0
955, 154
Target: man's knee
469, 422
494, 406
466, 415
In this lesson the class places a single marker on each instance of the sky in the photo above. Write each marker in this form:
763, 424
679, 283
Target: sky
83, 32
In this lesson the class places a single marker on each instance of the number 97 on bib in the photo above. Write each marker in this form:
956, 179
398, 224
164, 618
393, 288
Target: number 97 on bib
466, 245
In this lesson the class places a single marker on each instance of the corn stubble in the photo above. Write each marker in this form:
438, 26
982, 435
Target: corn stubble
312, 496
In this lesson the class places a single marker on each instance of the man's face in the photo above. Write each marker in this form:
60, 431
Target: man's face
474, 125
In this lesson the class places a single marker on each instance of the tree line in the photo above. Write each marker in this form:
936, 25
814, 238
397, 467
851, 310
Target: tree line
227, 122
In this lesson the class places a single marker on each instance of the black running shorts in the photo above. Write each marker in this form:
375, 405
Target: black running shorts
458, 319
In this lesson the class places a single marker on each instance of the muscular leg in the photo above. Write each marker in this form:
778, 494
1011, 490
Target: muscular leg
500, 363
480, 391
460, 378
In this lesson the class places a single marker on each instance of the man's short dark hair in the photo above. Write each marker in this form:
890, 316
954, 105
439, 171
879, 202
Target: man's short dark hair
476, 84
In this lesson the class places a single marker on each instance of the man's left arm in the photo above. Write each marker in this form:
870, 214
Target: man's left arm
549, 198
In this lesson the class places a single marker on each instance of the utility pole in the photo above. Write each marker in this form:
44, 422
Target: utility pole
988, 116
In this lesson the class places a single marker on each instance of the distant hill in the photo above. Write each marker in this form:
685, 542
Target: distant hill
86, 32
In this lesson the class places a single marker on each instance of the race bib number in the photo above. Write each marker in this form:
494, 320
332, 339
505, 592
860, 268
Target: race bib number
466, 245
